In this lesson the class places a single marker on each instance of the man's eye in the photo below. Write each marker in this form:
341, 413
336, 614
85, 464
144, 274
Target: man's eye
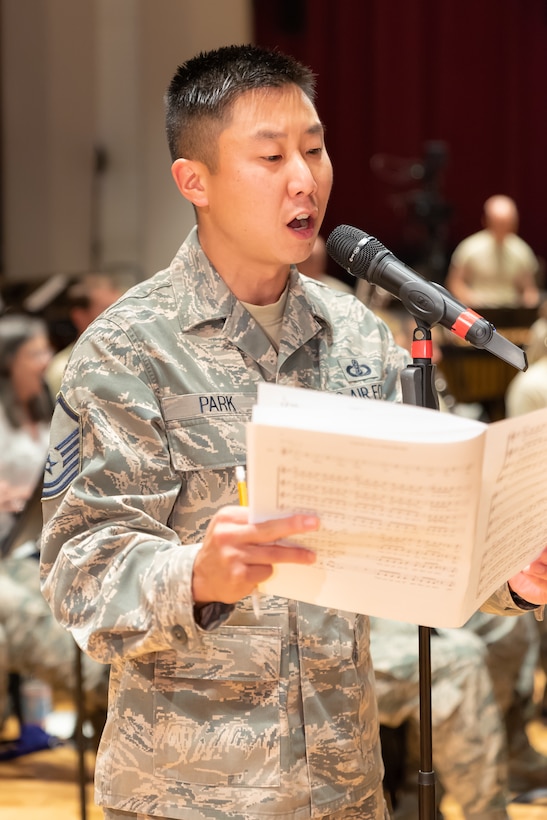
316, 151
272, 158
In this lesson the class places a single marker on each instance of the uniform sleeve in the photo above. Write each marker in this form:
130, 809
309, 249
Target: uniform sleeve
113, 572
503, 603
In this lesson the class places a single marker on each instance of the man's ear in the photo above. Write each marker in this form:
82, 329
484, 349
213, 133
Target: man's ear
189, 178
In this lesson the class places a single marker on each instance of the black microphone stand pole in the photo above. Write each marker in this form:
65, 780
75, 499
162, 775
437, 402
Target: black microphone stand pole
418, 385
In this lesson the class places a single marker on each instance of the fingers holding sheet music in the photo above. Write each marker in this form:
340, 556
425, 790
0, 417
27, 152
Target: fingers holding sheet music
531, 583
237, 555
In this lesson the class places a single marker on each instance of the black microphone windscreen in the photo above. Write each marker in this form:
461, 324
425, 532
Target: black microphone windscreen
353, 249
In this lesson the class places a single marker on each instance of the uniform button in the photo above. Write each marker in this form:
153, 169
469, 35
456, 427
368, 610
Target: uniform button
179, 633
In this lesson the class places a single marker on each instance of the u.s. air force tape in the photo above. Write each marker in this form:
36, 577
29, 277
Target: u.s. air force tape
63, 458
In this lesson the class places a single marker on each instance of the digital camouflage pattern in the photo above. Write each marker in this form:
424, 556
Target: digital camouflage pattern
512, 653
35, 645
146, 435
468, 733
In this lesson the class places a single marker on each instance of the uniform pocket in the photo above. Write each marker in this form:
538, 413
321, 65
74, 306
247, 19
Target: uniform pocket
216, 713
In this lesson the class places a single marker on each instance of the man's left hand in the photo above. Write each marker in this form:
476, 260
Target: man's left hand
531, 583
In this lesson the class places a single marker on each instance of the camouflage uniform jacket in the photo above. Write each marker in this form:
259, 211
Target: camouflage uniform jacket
147, 431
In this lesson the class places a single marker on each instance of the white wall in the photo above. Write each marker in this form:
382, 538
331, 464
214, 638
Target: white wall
90, 74
47, 135
118, 129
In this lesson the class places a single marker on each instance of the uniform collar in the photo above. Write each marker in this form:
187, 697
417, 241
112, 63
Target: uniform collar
203, 297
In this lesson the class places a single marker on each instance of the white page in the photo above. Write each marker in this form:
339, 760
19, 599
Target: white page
398, 518
410, 568
513, 512
312, 409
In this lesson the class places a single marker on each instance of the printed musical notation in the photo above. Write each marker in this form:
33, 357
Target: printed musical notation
517, 513
423, 514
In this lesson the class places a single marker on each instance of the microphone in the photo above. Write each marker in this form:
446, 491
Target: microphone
365, 257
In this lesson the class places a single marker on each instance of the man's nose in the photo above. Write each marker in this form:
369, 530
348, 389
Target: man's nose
301, 178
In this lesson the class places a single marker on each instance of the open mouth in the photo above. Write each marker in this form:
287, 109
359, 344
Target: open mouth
302, 222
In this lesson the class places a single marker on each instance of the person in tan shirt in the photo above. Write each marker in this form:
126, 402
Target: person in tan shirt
495, 267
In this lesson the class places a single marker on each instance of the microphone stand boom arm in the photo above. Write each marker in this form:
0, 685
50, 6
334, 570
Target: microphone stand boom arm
434, 304
365, 257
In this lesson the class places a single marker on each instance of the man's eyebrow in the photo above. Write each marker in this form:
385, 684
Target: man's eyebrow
266, 134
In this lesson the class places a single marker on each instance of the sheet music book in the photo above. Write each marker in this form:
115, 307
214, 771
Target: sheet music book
423, 514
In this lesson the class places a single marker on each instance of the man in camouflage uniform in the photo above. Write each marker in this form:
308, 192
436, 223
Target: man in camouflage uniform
468, 734
512, 652
36, 646
480, 752
145, 557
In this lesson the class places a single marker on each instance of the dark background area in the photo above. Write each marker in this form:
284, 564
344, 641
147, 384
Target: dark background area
430, 107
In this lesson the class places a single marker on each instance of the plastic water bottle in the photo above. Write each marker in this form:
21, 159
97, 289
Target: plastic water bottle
36, 701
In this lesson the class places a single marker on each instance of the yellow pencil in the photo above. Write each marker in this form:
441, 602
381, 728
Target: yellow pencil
244, 502
242, 486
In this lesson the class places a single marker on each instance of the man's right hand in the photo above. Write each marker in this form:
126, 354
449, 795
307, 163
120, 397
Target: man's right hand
237, 555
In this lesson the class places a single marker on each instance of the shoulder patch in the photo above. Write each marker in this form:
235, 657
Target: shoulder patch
63, 458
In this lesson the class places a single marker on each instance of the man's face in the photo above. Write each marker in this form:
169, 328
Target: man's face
268, 194
502, 224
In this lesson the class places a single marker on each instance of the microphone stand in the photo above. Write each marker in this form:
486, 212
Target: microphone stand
429, 304
418, 385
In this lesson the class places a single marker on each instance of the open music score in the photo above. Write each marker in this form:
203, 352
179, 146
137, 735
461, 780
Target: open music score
517, 513
423, 514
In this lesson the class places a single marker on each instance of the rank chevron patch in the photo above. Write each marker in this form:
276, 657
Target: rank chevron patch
63, 459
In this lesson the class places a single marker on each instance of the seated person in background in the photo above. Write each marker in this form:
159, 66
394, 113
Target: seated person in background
33, 645
527, 391
87, 298
494, 267
512, 652
25, 412
482, 679
469, 748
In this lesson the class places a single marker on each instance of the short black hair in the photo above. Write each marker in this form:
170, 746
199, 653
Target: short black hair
201, 94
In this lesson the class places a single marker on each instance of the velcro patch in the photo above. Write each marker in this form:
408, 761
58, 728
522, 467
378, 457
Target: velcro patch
196, 405
354, 369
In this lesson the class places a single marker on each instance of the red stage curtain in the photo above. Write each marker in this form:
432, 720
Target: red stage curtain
396, 75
